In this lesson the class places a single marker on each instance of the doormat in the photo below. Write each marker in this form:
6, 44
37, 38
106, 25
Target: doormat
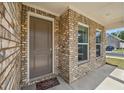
47, 84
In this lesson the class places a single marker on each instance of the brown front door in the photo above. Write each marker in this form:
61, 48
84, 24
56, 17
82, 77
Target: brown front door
40, 45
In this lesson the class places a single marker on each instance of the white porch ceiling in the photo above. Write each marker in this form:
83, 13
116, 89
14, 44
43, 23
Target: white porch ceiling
109, 14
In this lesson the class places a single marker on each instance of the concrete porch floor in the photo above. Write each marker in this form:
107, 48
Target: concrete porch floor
88, 82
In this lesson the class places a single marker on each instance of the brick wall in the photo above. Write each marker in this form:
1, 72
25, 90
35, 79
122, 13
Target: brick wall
64, 46
68, 59
10, 45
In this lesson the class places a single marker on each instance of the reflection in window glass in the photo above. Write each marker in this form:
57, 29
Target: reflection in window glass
97, 50
98, 37
82, 34
98, 43
82, 43
82, 52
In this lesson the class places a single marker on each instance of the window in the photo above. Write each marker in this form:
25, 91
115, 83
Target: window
82, 43
98, 43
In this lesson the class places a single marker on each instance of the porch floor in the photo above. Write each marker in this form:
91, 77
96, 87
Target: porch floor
88, 82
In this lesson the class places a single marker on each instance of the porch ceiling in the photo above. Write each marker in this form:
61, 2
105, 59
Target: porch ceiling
109, 14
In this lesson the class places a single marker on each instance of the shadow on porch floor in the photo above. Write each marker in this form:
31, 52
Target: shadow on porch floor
88, 82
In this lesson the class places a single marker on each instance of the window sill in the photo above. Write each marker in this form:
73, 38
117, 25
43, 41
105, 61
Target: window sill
82, 62
98, 57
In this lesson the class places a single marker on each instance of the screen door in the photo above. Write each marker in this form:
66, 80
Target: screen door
40, 48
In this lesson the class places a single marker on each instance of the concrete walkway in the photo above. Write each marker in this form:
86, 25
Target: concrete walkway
115, 54
87, 82
115, 81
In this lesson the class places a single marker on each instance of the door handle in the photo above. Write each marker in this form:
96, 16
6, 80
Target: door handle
51, 49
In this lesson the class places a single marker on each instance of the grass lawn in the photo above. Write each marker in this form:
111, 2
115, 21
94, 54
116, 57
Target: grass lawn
115, 61
118, 51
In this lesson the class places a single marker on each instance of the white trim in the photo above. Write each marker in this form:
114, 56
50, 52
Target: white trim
99, 30
41, 16
82, 24
28, 43
84, 61
42, 9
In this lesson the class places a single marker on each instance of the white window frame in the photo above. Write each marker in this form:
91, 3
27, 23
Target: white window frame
84, 61
99, 43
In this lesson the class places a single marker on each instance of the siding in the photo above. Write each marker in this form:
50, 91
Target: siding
112, 41
10, 45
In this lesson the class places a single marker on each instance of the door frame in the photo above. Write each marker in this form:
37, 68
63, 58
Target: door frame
28, 43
